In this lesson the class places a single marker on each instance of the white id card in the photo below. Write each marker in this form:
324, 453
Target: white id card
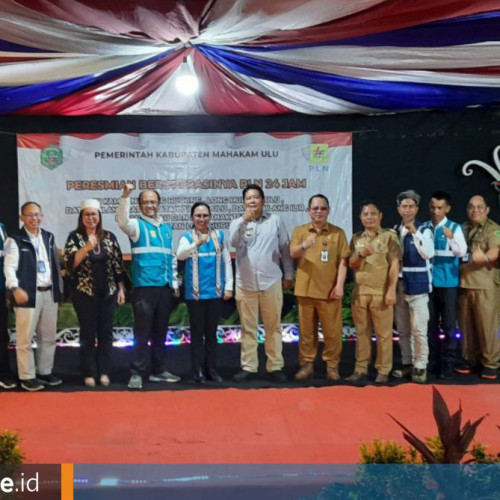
324, 255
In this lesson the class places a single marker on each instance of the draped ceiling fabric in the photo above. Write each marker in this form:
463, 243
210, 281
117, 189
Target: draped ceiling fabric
260, 57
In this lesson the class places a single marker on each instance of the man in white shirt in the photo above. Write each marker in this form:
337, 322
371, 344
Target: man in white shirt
450, 246
33, 277
262, 244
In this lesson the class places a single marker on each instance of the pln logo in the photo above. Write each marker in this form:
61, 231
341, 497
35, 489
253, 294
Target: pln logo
51, 157
318, 153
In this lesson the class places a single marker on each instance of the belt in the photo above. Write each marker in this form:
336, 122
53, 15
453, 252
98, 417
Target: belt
44, 288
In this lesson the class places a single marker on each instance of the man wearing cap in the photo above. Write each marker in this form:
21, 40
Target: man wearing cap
322, 252
478, 300
414, 286
6, 378
154, 283
33, 277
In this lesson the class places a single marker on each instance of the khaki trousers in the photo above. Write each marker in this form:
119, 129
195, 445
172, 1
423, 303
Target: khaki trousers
412, 322
370, 313
41, 319
270, 303
478, 318
329, 314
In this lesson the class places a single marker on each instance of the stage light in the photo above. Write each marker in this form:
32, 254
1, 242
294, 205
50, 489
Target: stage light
186, 81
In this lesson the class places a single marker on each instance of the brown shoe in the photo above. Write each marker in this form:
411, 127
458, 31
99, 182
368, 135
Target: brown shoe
357, 378
332, 374
381, 379
306, 371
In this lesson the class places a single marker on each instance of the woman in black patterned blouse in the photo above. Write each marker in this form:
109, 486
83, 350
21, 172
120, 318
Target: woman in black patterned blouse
94, 262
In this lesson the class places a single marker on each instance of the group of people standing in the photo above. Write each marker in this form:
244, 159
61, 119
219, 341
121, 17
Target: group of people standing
415, 273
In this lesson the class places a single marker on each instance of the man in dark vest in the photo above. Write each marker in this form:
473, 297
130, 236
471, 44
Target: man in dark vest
33, 277
414, 286
154, 282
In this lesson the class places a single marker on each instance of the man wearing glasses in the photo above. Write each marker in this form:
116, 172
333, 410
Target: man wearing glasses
322, 251
154, 283
33, 278
478, 301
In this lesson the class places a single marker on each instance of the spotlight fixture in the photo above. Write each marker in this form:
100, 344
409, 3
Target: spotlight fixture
186, 81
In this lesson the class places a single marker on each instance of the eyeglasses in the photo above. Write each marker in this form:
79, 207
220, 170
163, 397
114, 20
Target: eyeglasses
91, 215
204, 216
153, 203
479, 208
33, 215
319, 209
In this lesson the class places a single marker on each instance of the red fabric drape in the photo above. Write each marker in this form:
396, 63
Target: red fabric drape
121, 93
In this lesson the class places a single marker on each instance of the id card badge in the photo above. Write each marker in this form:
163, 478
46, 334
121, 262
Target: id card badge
324, 255
40, 266
466, 258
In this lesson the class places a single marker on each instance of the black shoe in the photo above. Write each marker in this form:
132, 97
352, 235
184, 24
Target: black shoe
464, 368
7, 383
213, 376
199, 377
50, 379
277, 376
244, 376
447, 372
32, 385
489, 374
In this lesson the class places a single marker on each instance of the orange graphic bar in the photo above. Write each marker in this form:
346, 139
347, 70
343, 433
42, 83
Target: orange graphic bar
67, 481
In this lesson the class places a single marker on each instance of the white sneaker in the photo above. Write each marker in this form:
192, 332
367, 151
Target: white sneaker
135, 382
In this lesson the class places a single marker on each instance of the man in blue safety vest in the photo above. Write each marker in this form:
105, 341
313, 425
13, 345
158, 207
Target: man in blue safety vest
154, 284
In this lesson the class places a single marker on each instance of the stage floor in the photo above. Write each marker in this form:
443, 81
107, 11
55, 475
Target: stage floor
288, 423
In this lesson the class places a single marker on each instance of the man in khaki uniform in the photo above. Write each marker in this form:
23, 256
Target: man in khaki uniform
478, 301
322, 251
375, 256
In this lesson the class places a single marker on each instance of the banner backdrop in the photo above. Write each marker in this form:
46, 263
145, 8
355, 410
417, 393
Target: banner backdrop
59, 171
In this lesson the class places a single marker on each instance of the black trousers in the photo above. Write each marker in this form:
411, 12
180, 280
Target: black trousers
4, 339
96, 317
204, 318
443, 315
152, 307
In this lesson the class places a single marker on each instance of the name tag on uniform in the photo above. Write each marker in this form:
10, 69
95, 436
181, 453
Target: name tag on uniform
152, 232
466, 258
324, 255
41, 266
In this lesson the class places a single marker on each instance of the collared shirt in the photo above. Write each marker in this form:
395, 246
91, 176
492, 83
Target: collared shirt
11, 262
260, 248
131, 228
486, 236
372, 276
317, 276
